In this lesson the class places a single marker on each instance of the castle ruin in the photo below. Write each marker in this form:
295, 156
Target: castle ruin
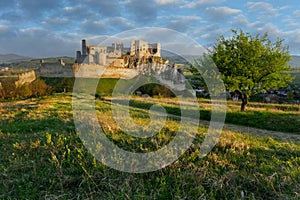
105, 55
141, 48
25, 78
116, 61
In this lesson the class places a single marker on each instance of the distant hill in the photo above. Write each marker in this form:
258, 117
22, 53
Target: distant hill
295, 61
10, 58
30, 63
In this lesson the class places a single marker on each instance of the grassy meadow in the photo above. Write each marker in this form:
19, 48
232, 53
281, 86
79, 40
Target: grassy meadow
42, 156
273, 117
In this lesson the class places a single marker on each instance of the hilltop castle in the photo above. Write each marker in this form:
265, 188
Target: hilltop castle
116, 61
105, 55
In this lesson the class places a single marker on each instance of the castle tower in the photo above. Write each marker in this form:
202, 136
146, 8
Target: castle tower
78, 57
84, 48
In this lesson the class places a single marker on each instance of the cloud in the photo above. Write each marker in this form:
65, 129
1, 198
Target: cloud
106, 26
37, 7
14, 17
94, 27
211, 36
104, 7
179, 25
207, 29
142, 12
261, 6
291, 22
220, 13
6, 31
180, 17
264, 10
76, 13
202, 3
37, 42
240, 20
7, 4
119, 23
55, 22
291, 38
182, 23
183, 49
165, 2
273, 31
296, 13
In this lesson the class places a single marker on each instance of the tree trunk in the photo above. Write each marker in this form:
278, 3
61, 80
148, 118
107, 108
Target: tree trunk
244, 102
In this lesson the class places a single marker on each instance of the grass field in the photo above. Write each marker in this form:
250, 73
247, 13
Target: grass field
274, 117
42, 157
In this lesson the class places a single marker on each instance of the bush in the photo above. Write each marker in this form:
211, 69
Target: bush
34, 89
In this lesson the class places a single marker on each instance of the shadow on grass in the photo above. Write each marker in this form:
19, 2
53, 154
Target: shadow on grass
22, 124
173, 110
283, 122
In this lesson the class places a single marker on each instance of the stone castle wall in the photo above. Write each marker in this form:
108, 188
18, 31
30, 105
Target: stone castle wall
25, 78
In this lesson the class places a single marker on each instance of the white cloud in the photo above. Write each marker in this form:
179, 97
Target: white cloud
202, 3
180, 17
296, 13
184, 49
265, 10
291, 22
55, 21
106, 26
165, 2
220, 13
37, 42
120, 23
143, 12
291, 38
240, 20
213, 35
273, 31
4, 28
180, 22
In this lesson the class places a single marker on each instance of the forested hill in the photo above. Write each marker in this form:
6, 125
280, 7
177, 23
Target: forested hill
9, 58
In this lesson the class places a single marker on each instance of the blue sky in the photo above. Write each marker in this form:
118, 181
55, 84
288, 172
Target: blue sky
44, 28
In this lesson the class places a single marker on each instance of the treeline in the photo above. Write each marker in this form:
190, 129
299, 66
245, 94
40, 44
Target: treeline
46, 86
36, 88
39, 87
155, 90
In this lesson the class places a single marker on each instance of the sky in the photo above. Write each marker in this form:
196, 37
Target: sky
47, 28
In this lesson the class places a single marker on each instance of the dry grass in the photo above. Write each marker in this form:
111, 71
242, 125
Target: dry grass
45, 159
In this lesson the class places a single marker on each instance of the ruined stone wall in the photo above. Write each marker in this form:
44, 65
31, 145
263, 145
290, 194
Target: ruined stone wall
142, 48
99, 71
97, 55
57, 70
25, 78
118, 63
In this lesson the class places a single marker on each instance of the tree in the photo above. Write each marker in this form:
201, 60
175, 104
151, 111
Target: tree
251, 64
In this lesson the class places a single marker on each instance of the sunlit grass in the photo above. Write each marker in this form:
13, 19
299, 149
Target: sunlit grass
42, 157
275, 117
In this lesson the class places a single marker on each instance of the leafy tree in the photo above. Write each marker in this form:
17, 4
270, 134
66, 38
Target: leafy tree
251, 64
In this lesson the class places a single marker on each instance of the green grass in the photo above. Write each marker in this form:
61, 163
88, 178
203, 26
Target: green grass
275, 117
42, 157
